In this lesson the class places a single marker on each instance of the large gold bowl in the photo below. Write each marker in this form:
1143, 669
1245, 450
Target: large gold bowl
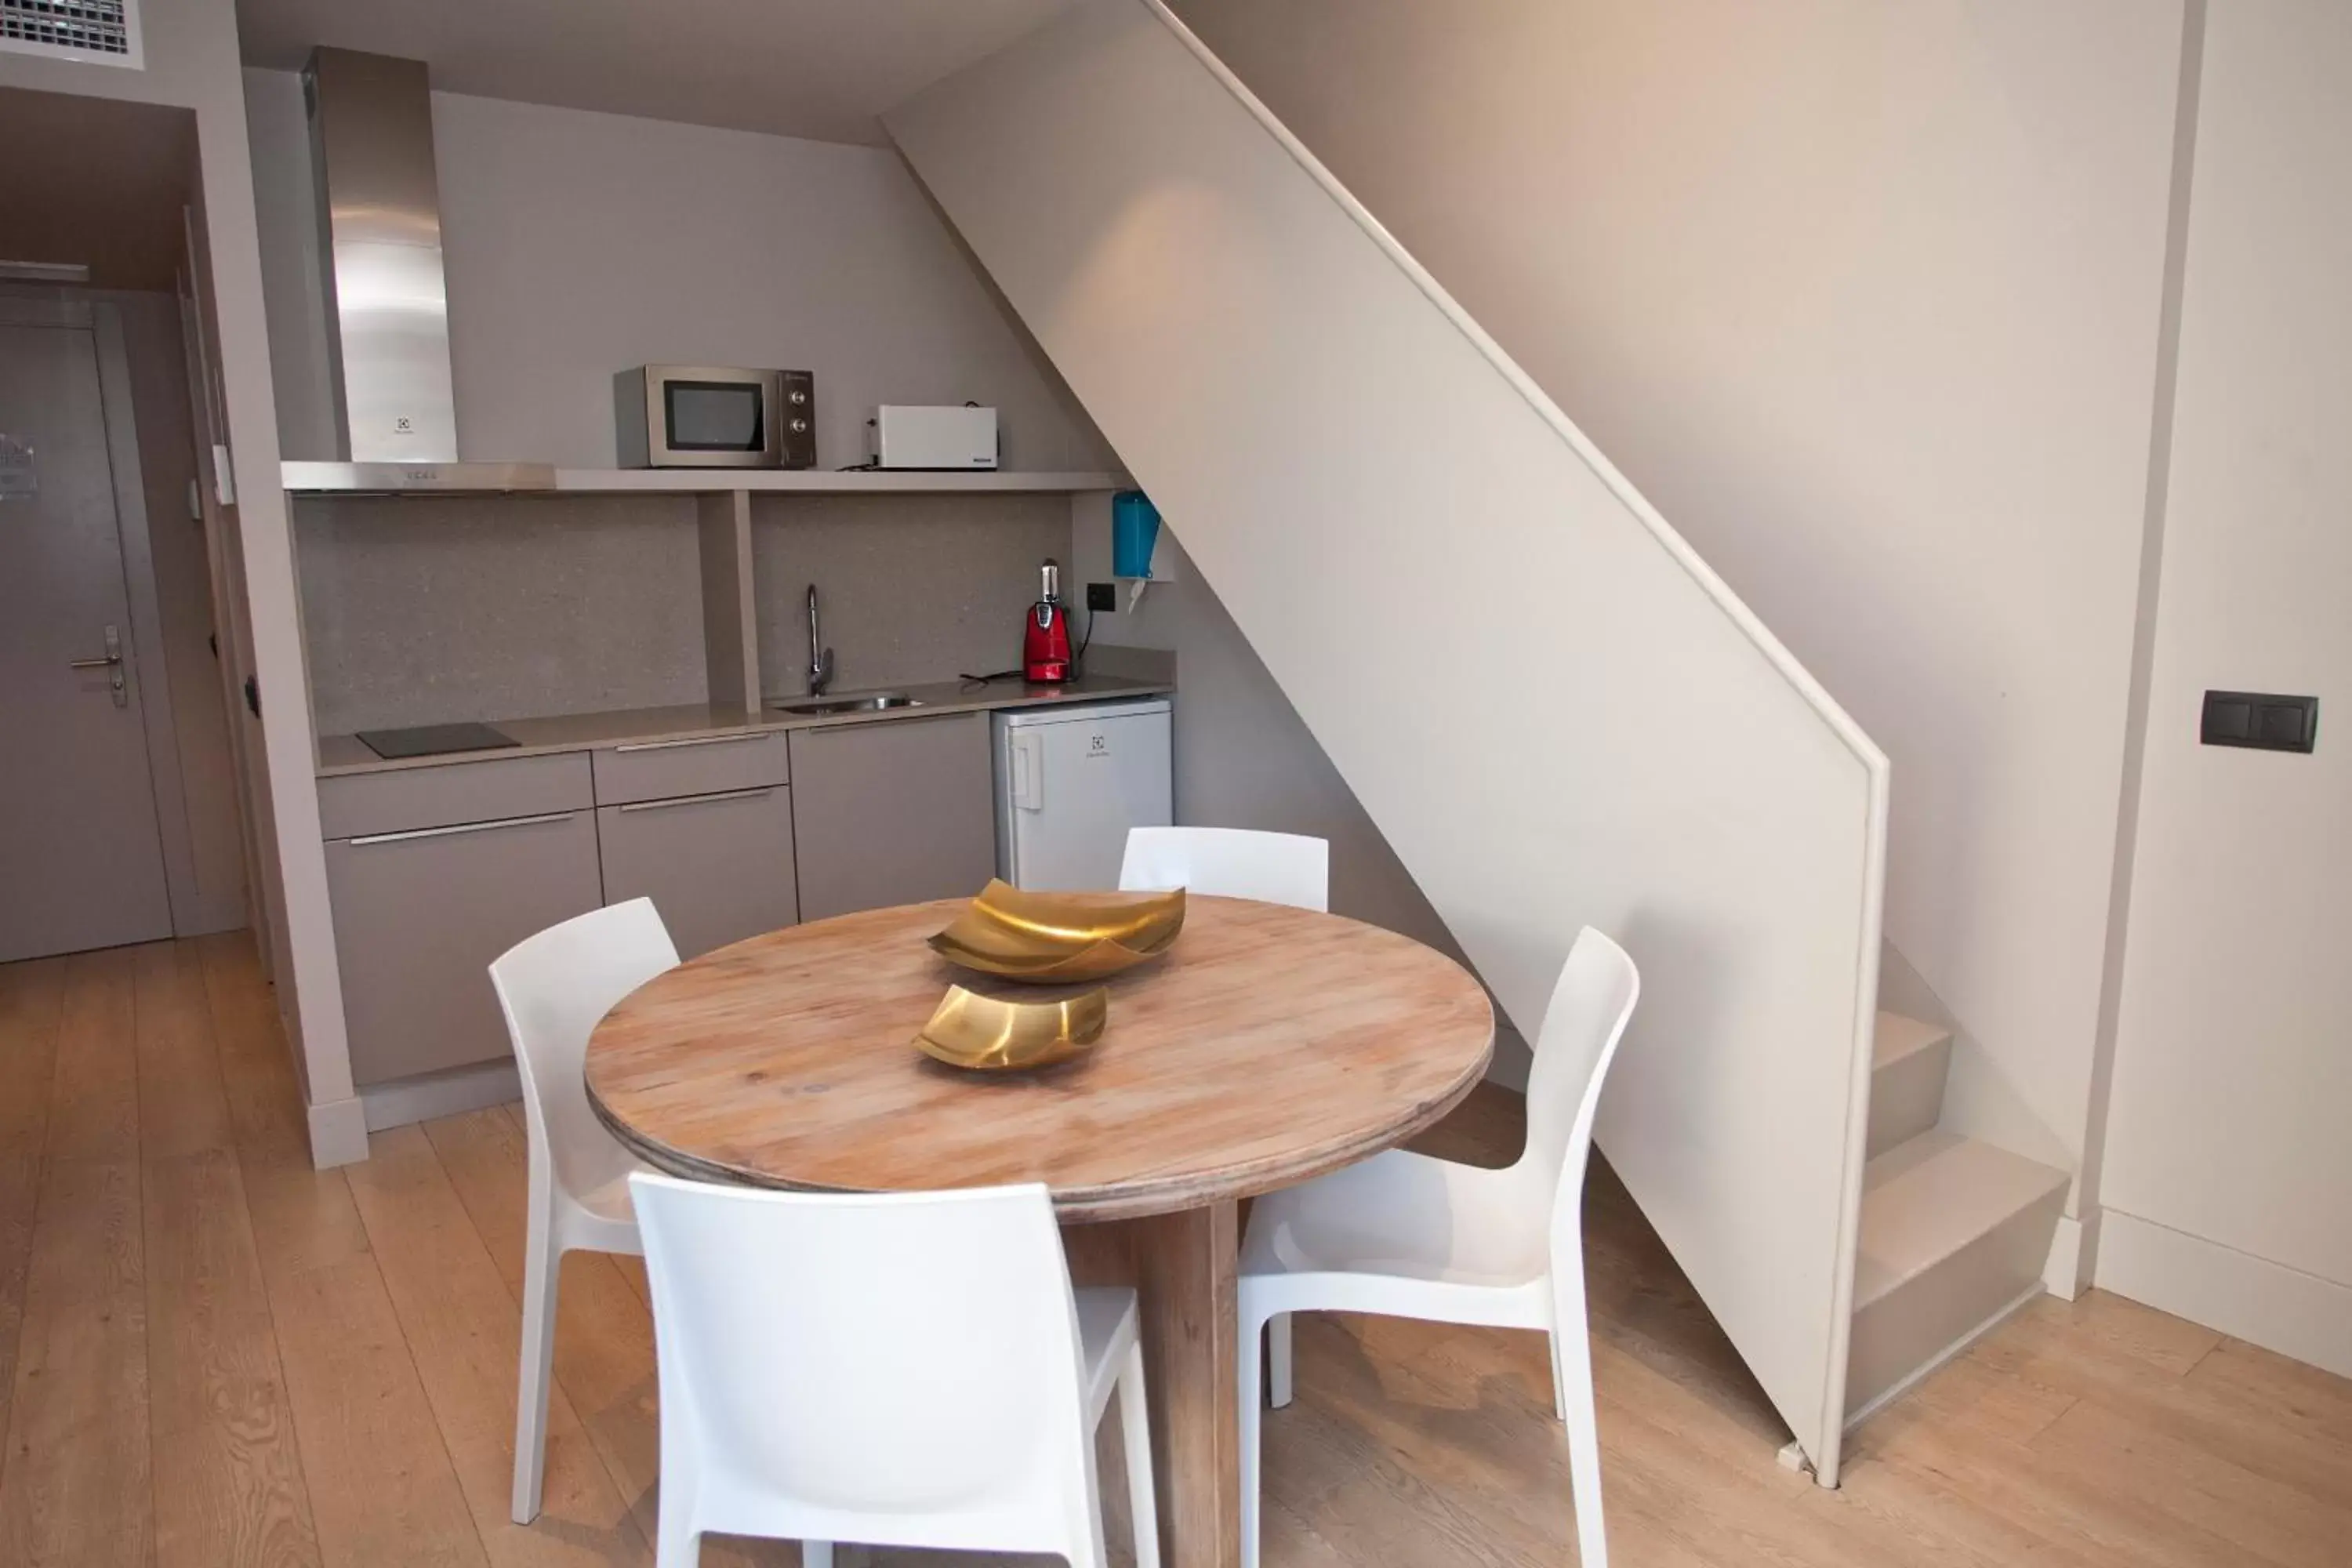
1060, 938
986, 1033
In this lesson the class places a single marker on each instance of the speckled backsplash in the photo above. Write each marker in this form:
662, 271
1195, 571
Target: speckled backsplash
911, 588
434, 609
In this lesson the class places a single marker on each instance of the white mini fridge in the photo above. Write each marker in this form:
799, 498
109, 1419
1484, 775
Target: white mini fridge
1070, 782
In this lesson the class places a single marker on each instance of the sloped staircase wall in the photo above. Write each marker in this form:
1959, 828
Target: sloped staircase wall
1553, 710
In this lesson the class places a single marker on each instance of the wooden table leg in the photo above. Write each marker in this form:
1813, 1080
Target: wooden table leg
1184, 1265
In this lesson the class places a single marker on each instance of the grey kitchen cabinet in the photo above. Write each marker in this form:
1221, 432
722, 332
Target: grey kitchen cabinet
719, 867
419, 914
700, 764
440, 795
892, 812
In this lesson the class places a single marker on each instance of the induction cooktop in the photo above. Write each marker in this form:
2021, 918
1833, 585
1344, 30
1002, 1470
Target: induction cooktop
433, 740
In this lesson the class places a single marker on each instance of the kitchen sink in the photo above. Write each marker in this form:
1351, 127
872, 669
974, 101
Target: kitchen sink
821, 706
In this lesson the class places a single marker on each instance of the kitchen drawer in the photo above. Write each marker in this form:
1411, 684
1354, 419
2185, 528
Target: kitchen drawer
719, 867
892, 812
446, 794
419, 915
707, 764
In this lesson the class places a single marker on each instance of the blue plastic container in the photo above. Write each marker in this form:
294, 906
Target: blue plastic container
1134, 532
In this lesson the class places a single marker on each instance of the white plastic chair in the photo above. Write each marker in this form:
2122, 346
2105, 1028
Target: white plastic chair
1405, 1235
553, 988
907, 1369
1231, 862
1236, 863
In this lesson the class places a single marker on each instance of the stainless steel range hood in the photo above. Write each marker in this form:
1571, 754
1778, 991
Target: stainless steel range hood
387, 306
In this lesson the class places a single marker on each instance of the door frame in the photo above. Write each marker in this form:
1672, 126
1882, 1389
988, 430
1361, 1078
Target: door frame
194, 910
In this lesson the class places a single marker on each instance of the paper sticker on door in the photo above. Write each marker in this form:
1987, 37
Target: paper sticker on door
18, 475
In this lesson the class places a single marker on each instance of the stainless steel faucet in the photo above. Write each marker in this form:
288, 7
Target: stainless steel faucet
820, 669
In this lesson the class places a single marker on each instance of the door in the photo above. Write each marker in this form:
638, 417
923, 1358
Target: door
81, 856
719, 867
419, 915
893, 811
1077, 784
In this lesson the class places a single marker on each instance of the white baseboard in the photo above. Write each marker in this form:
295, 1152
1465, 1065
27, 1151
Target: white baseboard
2251, 1299
2072, 1249
338, 1133
422, 1099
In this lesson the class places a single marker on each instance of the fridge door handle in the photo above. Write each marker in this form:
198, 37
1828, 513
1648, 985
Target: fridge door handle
1028, 771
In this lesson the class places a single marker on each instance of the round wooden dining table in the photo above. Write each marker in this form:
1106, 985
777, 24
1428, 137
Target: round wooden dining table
1267, 1046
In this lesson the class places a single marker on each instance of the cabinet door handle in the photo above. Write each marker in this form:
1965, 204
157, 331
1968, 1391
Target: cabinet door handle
699, 799
1029, 770
689, 741
465, 827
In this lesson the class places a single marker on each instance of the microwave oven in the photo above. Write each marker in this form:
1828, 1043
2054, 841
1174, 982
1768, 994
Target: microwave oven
707, 416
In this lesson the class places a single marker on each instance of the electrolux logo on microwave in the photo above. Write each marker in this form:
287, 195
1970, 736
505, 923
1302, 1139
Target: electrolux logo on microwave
1098, 745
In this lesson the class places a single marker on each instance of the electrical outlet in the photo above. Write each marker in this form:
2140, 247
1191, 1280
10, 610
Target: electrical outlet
1102, 596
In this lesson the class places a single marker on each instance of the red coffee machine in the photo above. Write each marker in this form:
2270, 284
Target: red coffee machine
1045, 634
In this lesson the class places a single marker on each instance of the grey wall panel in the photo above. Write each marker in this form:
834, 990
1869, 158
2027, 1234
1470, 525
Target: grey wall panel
911, 588
429, 610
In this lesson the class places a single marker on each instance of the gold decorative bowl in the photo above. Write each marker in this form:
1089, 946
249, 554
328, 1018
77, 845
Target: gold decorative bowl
1060, 938
982, 1033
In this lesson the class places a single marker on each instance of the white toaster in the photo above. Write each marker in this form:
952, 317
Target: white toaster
908, 435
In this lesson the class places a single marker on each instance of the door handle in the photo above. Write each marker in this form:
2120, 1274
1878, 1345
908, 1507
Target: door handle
452, 832
758, 794
112, 661
1029, 771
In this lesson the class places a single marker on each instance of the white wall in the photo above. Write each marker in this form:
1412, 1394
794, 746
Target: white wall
1554, 712
192, 62
1243, 759
211, 896
2228, 1177
1865, 298
579, 243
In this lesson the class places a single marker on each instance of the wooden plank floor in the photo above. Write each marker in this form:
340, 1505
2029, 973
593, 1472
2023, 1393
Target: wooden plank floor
211, 1354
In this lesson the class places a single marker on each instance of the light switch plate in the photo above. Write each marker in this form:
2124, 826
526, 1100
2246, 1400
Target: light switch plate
2261, 720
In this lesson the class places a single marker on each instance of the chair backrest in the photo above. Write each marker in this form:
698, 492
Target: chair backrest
900, 1368
1582, 1026
553, 988
1231, 862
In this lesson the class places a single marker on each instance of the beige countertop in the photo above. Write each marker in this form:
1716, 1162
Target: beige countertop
340, 754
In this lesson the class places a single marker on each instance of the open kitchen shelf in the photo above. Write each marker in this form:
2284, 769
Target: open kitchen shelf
338, 479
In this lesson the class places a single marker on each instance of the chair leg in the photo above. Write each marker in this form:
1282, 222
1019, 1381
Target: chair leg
1251, 1418
1571, 1363
1277, 1358
542, 1269
1135, 1430
676, 1543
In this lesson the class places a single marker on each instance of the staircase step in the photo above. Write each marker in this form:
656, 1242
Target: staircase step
1909, 1060
1954, 1232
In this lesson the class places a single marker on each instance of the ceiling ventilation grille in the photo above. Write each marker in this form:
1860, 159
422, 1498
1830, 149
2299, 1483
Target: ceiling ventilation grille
103, 30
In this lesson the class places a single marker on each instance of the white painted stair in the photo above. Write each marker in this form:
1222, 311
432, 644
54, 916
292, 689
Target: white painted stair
1954, 1231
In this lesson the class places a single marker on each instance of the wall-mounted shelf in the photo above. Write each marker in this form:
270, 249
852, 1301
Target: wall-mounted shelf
524, 478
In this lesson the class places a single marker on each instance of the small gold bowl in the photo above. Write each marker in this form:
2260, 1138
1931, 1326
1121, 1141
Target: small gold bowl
1056, 939
982, 1033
